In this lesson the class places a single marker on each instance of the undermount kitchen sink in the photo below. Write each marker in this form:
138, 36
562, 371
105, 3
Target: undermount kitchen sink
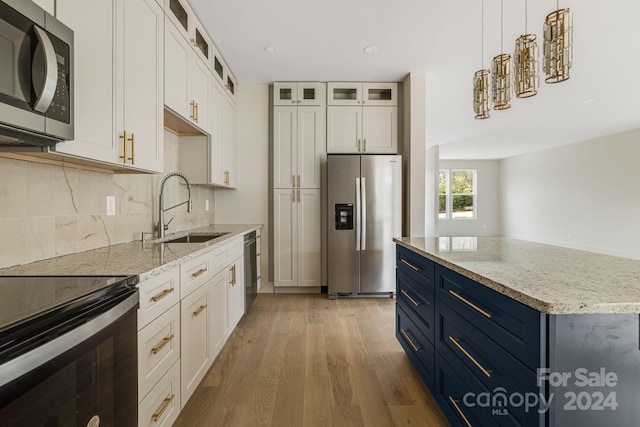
195, 237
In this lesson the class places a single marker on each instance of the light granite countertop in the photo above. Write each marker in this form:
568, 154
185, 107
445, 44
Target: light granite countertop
551, 279
130, 259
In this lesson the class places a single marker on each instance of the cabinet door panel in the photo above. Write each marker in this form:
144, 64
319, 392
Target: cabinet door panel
94, 79
229, 140
344, 128
309, 245
285, 243
380, 130
142, 80
285, 136
285, 94
311, 145
217, 142
194, 358
176, 69
218, 325
344, 93
201, 93
235, 298
311, 94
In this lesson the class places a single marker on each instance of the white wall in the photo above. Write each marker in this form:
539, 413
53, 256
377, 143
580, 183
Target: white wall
584, 195
249, 204
487, 222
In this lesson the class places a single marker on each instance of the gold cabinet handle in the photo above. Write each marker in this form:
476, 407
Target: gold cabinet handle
406, 294
161, 295
404, 334
226, 177
298, 181
485, 313
455, 405
199, 273
293, 101
470, 357
167, 401
133, 148
298, 196
364, 142
232, 270
197, 113
124, 146
293, 196
359, 141
293, 179
193, 110
200, 310
165, 341
408, 264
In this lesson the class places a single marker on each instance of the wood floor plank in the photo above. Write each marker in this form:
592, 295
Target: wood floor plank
259, 410
316, 352
343, 392
357, 352
375, 412
317, 402
289, 404
426, 401
346, 416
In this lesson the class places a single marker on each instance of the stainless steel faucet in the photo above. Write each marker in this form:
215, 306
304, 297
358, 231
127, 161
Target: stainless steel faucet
162, 227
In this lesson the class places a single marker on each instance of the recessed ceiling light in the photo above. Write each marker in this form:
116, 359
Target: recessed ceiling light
370, 49
271, 49
588, 101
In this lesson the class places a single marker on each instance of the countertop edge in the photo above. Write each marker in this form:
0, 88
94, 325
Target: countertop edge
542, 306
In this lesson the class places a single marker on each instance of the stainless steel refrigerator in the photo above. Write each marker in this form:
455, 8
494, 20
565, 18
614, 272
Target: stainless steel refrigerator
365, 213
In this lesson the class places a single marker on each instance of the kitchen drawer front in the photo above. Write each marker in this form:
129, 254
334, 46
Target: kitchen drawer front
227, 253
161, 407
468, 350
418, 267
511, 324
157, 295
416, 345
450, 391
196, 272
158, 349
416, 302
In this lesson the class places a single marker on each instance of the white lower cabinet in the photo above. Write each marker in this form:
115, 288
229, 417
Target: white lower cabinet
194, 322
161, 407
185, 317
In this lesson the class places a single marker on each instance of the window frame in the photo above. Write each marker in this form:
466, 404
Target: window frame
449, 194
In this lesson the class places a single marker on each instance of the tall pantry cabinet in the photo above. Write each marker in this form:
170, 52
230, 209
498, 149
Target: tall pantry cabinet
299, 149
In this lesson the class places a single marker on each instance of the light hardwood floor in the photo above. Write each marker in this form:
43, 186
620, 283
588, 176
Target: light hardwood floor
305, 360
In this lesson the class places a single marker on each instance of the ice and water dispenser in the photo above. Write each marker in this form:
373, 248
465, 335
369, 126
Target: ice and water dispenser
344, 216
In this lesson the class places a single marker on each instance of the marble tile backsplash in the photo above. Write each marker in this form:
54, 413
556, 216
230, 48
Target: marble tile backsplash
48, 211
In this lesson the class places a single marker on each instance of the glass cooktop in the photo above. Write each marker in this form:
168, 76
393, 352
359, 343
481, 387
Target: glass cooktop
26, 297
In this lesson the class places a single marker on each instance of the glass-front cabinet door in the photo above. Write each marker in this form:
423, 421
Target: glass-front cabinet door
303, 93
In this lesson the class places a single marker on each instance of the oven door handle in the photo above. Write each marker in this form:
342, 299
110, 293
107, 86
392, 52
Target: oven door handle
44, 58
25, 363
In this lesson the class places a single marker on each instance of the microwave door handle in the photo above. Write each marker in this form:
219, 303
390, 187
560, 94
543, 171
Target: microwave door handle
44, 57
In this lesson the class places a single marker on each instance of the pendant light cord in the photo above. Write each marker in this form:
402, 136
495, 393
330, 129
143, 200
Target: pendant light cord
482, 36
502, 26
526, 17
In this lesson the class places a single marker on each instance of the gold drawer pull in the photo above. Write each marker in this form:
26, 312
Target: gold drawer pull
165, 341
406, 294
485, 313
408, 264
167, 401
466, 353
200, 310
455, 405
199, 273
161, 295
404, 333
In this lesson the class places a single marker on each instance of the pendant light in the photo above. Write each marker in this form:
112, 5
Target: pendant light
558, 44
525, 62
501, 72
481, 101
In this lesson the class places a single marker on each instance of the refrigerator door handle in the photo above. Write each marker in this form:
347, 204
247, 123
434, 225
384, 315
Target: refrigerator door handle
357, 219
363, 209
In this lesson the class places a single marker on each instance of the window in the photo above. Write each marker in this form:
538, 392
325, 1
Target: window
457, 194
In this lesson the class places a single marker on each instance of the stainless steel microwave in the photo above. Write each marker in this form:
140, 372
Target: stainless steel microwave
36, 76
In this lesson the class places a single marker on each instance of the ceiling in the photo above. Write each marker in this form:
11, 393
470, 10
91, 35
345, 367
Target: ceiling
325, 41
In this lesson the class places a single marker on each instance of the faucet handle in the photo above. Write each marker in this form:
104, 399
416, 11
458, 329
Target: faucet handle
166, 226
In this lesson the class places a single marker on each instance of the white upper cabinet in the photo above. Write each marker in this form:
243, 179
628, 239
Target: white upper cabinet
119, 58
229, 142
302, 93
179, 12
48, 5
188, 80
362, 118
362, 94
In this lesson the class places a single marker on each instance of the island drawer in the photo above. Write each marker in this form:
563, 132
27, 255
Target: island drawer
468, 350
161, 407
419, 349
195, 273
157, 295
512, 325
416, 302
418, 267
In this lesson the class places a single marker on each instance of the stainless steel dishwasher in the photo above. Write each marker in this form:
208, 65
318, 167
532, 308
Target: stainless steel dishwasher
250, 270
